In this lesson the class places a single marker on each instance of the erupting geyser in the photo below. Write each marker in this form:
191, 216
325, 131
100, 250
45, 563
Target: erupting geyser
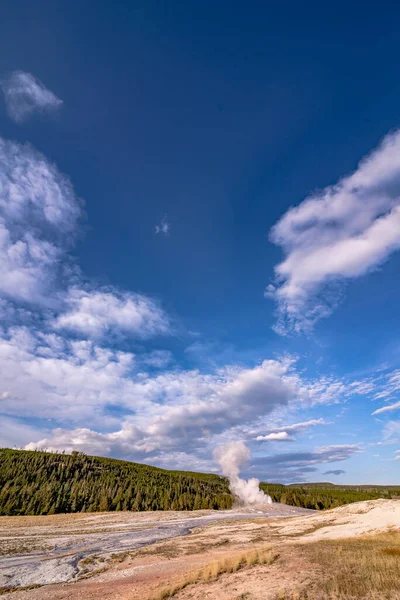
231, 457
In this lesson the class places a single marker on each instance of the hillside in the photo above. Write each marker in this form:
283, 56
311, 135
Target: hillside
41, 483
320, 496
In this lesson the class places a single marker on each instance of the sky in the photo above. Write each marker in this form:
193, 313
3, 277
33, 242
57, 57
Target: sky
200, 234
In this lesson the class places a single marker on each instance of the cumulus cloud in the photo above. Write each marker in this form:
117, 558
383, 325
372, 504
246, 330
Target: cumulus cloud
387, 408
335, 472
181, 408
70, 382
47, 376
38, 216
101, 311
337, 234
24, 95
132, 413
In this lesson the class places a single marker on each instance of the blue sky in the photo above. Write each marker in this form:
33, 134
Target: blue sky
199, 234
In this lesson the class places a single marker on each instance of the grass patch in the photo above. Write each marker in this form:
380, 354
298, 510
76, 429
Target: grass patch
212, 571
7, 590
168, 550
16, 546
355, 568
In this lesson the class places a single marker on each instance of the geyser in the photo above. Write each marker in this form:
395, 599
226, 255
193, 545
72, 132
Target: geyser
231, 458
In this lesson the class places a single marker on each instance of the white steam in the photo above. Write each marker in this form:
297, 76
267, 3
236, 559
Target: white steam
231, 457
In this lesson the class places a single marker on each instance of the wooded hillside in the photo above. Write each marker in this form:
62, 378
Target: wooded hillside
321, 496
42, 483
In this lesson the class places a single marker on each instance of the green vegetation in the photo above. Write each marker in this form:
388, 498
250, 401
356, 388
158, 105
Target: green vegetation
43, 483
321, 496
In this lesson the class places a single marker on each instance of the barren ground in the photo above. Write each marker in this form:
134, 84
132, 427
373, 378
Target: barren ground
132, 556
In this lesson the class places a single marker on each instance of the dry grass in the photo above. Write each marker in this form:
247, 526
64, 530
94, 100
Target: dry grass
8, 590
364, 568
213, 570
23, 546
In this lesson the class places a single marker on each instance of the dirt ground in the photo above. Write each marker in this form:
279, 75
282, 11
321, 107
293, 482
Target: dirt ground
144, 573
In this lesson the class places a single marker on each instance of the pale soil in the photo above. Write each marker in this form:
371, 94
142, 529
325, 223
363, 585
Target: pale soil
144, 572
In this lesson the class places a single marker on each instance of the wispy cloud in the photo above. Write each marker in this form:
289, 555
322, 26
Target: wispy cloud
164, 227
281, 436
337, 234
335, 472
25, 94
296, 466
388, 408
157, 359
281, 433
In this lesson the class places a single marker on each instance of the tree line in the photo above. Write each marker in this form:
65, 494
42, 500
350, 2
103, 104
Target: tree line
320, 496
45, 483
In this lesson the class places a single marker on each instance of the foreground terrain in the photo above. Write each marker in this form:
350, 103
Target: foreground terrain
265, 554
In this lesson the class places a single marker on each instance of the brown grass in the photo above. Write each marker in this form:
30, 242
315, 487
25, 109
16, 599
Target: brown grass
212, 571
7, 590
364, 568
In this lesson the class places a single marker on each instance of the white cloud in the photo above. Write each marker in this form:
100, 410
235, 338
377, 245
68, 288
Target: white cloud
25, 94
391, 429
101, 311
281, 433
38, 215
72, 382
388, 385
339, 233
296, 427
388, 408
281, 436
47, 376
163, 227
157, 359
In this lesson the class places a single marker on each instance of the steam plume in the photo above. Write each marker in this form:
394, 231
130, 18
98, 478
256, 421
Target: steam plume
231, 457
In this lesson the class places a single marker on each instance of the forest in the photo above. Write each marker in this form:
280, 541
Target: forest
320, 496
45, 483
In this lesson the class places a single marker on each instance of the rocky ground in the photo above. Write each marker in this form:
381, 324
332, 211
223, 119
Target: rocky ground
140, 555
